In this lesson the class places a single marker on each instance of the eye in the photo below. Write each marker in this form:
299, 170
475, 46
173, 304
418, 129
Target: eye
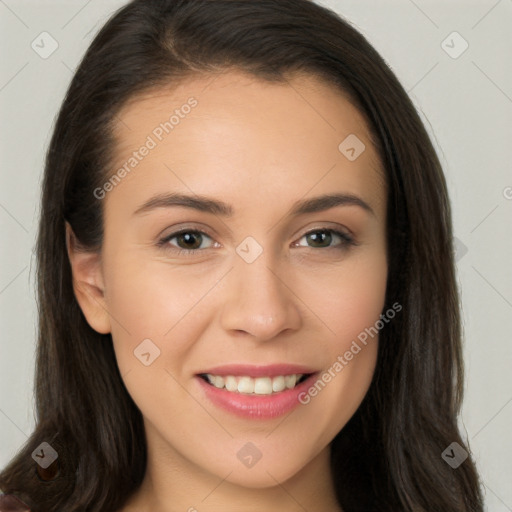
190, 242
323, 238
187, 241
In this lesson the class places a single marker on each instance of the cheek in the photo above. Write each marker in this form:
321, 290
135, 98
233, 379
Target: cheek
349, 301
348, 298
148, 299
153, 310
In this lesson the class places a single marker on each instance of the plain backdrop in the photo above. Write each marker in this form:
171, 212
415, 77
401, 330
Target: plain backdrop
464, 96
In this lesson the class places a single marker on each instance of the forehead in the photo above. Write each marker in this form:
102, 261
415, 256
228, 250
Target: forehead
236, 135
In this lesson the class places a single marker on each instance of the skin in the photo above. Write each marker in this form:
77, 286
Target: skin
259, 147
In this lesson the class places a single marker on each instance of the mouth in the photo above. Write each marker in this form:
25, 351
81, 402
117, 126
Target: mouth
248, 385
255, 392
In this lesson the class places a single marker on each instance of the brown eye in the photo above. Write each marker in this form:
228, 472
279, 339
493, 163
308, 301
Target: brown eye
320, 238
324, 238
186, 241
190, 240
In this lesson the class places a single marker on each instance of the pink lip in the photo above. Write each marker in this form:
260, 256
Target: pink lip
272, 370
255, 406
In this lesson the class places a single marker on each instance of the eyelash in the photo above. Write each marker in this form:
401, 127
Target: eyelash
346, 240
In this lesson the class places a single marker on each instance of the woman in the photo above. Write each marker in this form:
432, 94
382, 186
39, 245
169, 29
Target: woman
245, 272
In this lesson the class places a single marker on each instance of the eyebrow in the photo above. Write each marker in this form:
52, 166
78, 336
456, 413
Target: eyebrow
216, 207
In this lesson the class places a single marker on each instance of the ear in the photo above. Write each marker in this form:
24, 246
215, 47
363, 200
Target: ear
88, 283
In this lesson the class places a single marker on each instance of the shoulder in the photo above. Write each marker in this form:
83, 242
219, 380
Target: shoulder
10, 503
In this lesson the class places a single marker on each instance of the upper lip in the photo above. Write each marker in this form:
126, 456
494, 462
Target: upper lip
250, 370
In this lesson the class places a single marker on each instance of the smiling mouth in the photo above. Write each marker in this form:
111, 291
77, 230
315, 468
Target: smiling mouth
246, 385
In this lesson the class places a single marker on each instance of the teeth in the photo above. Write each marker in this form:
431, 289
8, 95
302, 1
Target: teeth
231, 383
246, 385
263, 386
290, 380
218, 381
257, 386
278, 383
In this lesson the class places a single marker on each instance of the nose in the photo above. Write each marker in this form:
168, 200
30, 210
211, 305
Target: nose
259, 300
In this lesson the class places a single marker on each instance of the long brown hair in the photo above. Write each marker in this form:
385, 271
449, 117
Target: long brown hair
388, 457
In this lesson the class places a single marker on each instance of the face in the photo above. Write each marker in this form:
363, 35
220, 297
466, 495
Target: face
234, 295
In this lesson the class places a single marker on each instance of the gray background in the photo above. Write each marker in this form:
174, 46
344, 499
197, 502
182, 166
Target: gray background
465, 102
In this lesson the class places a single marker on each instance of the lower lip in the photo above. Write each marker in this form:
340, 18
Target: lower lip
255, 406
